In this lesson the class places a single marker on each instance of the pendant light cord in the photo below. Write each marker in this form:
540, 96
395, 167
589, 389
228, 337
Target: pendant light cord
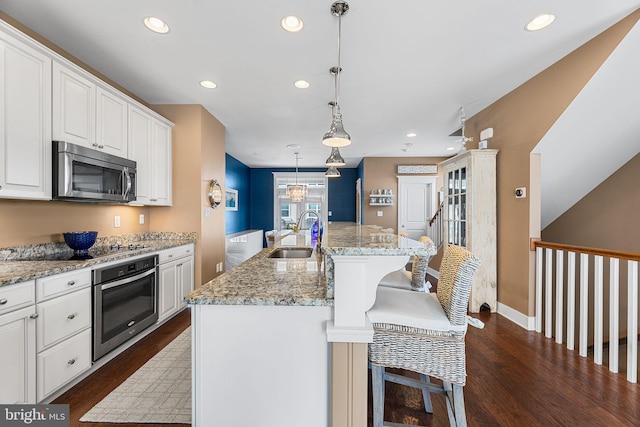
337, 79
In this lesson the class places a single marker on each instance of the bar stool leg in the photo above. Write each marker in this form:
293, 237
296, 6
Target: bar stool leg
377, 385
455, 404
426, 395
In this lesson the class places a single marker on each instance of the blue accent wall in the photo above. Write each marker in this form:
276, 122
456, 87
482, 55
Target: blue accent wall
342, 195
237, 177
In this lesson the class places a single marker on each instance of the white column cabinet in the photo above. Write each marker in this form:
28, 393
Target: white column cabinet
63, 329
470, 217
18, 344
175, 279
150, 146
25, 120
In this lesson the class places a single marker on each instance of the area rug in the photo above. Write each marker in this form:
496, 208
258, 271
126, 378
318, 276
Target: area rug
158, 392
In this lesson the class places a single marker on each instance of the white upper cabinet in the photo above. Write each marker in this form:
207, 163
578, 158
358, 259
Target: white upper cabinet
150, 146
87, 113
74, 103
111, 122
25, 120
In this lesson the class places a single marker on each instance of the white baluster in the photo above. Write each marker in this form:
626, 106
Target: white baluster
632, 322
571, 300
598, 315
538, 289
584, 303
548, 294
614, 313
559, 294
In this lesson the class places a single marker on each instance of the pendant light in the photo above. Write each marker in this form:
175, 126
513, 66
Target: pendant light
332, 172
337, 136
335, 159
297, 192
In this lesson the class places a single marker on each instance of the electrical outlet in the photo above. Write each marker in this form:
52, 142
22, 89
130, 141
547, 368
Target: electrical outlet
141, 220
116, 221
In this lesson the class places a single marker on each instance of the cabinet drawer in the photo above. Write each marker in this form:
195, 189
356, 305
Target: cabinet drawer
13, 297
60, 284
175, 253
63, 362
61, 317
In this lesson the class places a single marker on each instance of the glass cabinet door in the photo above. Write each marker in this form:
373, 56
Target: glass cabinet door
457, 207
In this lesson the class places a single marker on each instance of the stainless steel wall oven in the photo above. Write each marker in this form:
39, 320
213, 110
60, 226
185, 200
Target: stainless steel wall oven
125, 302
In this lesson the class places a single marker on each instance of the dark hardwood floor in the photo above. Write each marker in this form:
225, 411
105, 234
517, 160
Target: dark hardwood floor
514, 378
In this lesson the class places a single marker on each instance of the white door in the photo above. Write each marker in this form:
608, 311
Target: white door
416, 202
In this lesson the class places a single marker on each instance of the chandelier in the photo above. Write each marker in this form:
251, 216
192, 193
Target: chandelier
297, 192
337, 136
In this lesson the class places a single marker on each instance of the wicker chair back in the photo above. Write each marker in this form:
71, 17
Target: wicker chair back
454, 284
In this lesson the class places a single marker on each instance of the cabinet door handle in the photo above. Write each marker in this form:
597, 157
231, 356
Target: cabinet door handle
95, 145
3, 301
72, 361
71, 282
170, 256
71, 316
100, 146
34, 316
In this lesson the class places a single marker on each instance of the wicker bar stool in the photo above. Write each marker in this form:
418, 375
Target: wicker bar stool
414, 280
424, 333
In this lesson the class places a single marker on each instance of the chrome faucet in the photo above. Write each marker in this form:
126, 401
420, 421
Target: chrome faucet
297, 228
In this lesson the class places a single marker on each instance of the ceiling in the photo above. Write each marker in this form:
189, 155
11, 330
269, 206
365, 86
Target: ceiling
408, 66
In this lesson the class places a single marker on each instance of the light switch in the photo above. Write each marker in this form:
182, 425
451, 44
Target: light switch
141, 219
379, 213
116, 221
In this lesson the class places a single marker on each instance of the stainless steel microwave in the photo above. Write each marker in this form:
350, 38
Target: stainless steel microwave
86, 175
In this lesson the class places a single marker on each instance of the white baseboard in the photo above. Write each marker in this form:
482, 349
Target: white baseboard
433, 273
522, 320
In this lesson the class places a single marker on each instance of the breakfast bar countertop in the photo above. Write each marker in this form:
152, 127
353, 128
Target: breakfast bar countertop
15, 266
261, 280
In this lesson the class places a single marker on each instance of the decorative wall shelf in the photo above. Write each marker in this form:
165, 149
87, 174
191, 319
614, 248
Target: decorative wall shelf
381, 197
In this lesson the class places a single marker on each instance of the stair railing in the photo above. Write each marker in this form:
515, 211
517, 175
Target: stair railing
571, 286
434, 229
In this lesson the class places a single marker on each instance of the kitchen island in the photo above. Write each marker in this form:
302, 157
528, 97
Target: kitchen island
273, 337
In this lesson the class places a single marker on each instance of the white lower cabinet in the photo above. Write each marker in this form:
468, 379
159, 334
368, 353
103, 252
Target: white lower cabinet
175, 279
18, 344
63, 329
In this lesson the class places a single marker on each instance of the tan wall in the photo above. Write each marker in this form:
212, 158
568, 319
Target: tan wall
520, 119
606, 217
198, 156
382, 172
25, 222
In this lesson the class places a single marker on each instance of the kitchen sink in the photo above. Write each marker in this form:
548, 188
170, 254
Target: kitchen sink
291, 253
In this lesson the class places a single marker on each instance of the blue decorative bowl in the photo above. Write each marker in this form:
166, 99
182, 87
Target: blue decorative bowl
80, 241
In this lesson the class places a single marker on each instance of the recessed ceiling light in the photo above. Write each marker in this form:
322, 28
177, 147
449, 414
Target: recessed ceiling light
302, 84
541, 21
292, 23
208, 84
156, 25
411, 135
451, 148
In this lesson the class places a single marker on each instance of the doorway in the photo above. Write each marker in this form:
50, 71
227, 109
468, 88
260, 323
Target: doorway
416, 204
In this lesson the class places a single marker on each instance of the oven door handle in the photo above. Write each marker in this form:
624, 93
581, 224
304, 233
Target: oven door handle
127, 280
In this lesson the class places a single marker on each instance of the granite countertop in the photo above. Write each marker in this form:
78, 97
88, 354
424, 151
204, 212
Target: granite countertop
15, 269
346, 238
261, 280
301, 282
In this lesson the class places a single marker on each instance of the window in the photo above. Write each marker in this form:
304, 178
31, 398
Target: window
287, 212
